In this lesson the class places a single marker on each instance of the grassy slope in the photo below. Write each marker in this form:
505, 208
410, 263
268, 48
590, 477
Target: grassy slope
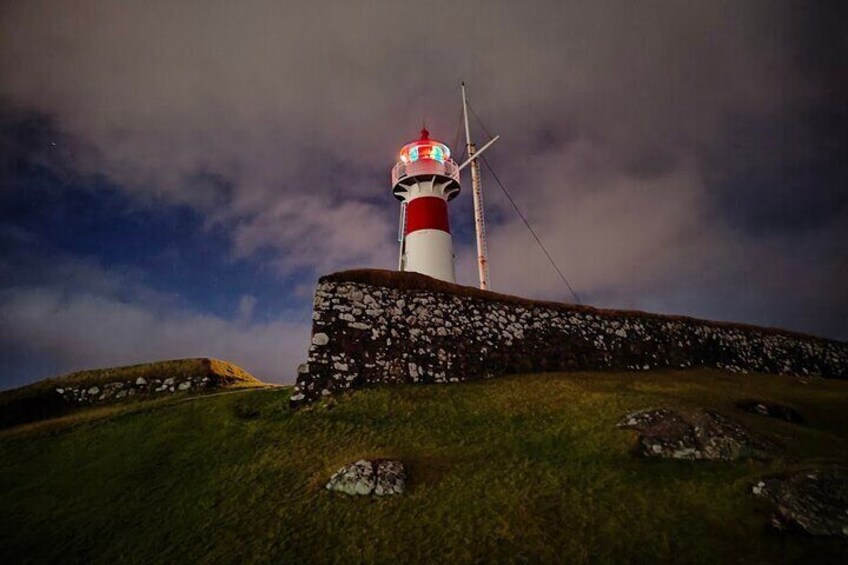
520, 468
40, 400
177, 368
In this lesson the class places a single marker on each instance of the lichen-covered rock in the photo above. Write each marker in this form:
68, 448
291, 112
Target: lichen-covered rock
771, 410
645, 418
699, 435
815, 501
320, 338
381, 477
391, 478
356, 478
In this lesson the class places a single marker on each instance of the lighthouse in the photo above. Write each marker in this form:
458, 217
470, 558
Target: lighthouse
425, 179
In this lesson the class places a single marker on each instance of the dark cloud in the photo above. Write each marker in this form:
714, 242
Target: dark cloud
683, 157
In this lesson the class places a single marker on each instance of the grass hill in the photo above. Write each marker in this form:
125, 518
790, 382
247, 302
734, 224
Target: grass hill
526, 468
45, 399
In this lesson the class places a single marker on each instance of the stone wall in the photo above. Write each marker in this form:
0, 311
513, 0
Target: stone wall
108, 392
380, 327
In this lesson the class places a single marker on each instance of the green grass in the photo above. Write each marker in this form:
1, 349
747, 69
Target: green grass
518, 469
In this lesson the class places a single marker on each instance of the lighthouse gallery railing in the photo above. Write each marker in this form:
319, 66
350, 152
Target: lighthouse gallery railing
448, 168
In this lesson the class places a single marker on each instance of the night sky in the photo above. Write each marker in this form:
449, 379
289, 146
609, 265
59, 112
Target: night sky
176, 175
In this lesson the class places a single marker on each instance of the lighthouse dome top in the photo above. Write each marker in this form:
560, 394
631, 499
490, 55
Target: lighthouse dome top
424, 148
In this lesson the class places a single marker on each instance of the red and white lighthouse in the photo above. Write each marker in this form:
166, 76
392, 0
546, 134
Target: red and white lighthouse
425, 180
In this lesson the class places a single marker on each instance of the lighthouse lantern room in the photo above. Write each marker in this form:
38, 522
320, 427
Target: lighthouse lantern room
425, 179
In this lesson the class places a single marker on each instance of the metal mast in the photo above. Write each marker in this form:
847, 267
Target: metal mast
402, 236
477, 193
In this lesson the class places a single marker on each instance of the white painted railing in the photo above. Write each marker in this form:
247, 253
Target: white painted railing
446, 168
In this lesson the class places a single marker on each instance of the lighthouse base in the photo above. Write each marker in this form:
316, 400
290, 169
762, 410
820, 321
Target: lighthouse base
430, 252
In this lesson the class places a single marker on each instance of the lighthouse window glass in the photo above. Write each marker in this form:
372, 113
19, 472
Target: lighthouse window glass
413, 154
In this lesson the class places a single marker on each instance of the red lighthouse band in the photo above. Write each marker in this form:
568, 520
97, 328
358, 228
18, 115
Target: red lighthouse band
427, 213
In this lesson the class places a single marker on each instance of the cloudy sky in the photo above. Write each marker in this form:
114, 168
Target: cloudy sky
176, 175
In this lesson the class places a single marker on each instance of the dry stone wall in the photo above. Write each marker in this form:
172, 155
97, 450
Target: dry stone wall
377, 327
118, 390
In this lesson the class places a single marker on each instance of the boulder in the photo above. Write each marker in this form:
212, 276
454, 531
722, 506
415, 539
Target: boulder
771, 410
815, 501
699, 435
380, 477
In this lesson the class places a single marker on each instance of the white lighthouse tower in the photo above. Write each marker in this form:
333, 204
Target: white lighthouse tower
425, 180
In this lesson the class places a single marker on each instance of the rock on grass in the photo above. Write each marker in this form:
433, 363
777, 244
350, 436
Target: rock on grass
815, 501
380, 477
700, 435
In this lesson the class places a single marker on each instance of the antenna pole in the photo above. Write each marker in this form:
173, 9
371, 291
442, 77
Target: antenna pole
477, 193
